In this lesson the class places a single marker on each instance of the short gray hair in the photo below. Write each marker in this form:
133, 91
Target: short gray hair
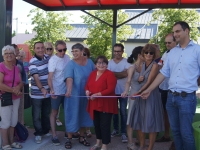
78, 46
60, 42
8, 47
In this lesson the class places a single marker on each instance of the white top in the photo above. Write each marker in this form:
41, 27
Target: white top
165, 84
57, 66
119, 67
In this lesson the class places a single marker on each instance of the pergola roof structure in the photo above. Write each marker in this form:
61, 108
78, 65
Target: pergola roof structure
53, 5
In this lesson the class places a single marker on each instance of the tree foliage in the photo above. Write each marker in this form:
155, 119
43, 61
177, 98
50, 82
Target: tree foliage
49, 26
100, 34
166, 19
14, 33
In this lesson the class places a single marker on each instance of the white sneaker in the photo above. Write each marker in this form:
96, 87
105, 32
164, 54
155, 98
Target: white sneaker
124, 138
58, 123
48, 134
38, 139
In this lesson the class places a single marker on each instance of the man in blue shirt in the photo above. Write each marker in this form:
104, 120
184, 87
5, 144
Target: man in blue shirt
182, 69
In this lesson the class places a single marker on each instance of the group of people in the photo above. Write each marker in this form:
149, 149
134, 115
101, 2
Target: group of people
90, 92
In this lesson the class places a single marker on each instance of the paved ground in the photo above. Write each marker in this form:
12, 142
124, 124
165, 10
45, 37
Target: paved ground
46, 144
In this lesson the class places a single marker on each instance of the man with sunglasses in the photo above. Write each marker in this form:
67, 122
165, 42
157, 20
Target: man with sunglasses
119, 66
170, 43
56, 83
182, 67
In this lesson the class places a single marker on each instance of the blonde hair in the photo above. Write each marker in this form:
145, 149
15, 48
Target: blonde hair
23, 53
8, 47
46, 44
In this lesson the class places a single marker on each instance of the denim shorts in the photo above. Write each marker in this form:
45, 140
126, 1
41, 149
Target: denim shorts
55, 103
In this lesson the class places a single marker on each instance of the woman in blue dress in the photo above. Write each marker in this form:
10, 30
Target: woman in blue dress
76, 74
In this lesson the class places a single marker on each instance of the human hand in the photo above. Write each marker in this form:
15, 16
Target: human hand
94, 96
141, 78
44, 92
52, 94
16, 91
87, 93
124, 94
145, 94
68, 94
198, 95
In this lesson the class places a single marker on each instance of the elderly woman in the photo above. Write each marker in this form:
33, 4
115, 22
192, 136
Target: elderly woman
20, 66
76, 74
49, 49
101, 82
10, 81
147, 115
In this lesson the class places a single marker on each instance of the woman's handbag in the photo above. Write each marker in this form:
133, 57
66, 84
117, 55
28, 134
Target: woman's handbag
6, 98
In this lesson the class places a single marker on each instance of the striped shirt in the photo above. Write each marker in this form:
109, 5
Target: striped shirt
39, 66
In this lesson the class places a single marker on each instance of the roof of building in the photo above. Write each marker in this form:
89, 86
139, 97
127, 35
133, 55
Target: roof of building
52, 5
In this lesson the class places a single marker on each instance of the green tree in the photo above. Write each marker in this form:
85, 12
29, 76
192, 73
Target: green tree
167, 17
100, 35
26, 31
49, 26
14, 33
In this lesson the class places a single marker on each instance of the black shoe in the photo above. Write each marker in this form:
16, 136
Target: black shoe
55, 141
164, 139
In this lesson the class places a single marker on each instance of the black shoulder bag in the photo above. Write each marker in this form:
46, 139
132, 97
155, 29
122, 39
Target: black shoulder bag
6, 98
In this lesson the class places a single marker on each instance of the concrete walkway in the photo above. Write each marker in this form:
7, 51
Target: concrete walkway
46, 144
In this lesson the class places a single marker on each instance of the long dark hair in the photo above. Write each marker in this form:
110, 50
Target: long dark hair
134, 56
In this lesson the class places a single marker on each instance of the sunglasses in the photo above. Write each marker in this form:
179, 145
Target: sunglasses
49, 49
168, 42
150, 53
64, 50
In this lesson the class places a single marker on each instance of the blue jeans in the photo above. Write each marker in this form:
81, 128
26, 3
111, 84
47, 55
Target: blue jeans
181, 111
41, 109
123, 115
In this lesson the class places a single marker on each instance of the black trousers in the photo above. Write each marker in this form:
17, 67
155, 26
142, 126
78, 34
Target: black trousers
102, 124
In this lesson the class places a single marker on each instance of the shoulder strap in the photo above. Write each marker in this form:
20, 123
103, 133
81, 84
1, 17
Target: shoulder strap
13, 77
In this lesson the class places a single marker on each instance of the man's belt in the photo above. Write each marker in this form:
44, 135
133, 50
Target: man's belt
182, 94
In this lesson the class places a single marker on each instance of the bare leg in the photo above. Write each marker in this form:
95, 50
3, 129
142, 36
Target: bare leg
141, 136
104, 147
53, 121
152, 138
129, 134
4, 134
11, 135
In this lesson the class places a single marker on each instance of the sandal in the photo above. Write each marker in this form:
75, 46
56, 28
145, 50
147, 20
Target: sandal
6, 147
95, 147
143, 148
68, 143
16, 145
88, 134
132, 146
84, 141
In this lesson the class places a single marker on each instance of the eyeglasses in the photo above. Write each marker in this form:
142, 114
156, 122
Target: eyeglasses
168, 42
64, 50
150, 53
101, 63
8, 54
49, 49
117, 51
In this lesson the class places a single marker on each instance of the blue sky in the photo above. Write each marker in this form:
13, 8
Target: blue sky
21, 9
